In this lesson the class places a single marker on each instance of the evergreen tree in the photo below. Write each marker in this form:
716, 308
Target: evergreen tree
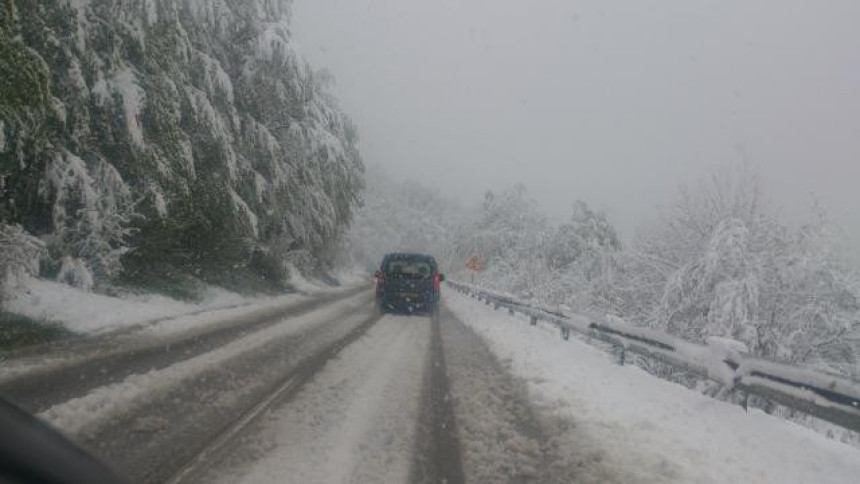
170, 137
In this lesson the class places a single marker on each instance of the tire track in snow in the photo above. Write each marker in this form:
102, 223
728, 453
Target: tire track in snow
231, 364
353, 423
287, 388
158, 438
437, 448
38, 391
504, 438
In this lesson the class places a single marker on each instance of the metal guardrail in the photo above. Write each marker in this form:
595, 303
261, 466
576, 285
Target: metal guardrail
831, 398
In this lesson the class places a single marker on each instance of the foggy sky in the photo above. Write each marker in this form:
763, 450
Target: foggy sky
613, 102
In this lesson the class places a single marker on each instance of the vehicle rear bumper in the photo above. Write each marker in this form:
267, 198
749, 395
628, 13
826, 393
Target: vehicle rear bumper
399, 305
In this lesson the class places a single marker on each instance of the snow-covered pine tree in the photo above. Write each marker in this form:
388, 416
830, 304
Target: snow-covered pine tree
170, 136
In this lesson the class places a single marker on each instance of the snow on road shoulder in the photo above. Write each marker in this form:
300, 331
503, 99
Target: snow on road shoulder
87, 312
654, 429
501, 438
346, 277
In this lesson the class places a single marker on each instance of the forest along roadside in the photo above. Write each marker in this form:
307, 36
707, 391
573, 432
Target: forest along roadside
354, 421
503, 436
90, 363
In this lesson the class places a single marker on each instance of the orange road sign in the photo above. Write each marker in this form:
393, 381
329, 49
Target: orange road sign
475, 264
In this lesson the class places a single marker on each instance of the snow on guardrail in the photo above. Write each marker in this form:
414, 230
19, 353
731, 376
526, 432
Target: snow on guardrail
829, 397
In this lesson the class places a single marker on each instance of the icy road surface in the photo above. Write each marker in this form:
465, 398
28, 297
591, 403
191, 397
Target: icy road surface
325, 390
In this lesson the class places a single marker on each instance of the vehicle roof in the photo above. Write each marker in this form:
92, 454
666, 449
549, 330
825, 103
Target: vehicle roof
408, 255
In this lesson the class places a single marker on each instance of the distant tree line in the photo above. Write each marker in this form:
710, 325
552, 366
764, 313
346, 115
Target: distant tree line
716, 262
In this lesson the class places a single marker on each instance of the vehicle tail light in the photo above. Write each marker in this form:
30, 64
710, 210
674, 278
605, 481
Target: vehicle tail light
437, 282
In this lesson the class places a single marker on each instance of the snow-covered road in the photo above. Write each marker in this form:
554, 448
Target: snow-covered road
413, 400
332, 392
355, 422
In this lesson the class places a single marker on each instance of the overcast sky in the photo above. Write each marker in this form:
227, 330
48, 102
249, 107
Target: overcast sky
613, 102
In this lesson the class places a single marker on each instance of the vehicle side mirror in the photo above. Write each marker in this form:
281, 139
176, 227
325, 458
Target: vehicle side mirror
441, 277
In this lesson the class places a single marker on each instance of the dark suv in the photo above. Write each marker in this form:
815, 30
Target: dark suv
408, 283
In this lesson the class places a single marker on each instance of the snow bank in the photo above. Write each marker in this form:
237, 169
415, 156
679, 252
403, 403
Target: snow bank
86, 312
309, 286
654, 429
355, 275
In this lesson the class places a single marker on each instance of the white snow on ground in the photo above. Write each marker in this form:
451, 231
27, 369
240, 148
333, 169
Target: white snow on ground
346, 277
650, 428
192, 322
301, 284
100, 404
354, 275
354, 422
88, 312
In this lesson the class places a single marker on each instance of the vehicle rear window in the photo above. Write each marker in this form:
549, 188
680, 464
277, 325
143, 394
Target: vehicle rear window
411, 269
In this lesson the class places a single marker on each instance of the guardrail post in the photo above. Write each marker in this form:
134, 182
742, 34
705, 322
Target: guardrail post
533, 320
495, 306
487, 301
622, 355
565, 333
